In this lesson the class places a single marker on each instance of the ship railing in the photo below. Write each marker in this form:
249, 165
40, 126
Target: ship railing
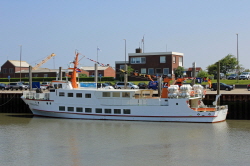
210, 108
36, 96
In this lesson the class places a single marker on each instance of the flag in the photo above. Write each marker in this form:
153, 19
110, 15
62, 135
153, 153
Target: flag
98, 49
78, 70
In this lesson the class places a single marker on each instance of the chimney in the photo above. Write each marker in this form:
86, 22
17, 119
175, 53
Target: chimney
138, 50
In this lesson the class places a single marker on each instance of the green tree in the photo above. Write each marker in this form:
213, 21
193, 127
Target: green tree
129, 71
202, 74
82, 75
212, 69
179, 71
227, 64
247, 70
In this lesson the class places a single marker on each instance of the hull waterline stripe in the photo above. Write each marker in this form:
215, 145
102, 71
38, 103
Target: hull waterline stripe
124, 115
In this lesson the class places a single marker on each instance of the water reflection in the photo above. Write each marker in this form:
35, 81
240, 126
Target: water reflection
29, 140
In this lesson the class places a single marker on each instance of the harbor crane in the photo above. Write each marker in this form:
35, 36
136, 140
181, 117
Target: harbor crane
43, 61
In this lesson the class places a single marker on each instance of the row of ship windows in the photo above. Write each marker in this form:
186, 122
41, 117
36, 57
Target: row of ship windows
79, 95
96, 110
104, 94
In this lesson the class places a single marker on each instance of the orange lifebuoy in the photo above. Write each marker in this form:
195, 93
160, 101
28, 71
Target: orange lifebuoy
204, 92
192, 93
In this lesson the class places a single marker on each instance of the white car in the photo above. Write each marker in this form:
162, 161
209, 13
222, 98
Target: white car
244, 76
130, 85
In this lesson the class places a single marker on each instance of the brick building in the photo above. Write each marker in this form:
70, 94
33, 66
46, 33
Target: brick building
11, 68
153, 63
104, 71
45, 72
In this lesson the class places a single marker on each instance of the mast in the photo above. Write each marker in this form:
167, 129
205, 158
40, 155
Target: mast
73, 76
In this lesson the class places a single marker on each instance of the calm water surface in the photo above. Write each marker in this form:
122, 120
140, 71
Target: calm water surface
31, 141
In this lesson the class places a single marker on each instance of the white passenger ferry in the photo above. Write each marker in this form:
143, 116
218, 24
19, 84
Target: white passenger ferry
68, 100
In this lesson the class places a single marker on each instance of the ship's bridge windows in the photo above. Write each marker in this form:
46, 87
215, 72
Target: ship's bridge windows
59, 85
107, 111
125, 94
61, 94
126, 111
78, 109
116, 94
79, 95
71, 109
70, 95
87, 95
61, 108
98, 110
117, 111
88, 110
105, 94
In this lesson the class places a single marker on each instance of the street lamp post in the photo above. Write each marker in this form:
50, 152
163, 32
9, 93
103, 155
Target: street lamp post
237, 59
125, 68
20, 62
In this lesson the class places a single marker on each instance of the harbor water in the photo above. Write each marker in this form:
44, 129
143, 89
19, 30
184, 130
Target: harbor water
26, 140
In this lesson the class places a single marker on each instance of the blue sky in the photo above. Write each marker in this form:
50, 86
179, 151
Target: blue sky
204, 30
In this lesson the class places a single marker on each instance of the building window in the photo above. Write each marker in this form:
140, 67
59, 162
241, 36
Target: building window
174, 60
165, 71
35, 75
107, 111
61, 93
87, 95
180, 61
162, 59
61, 108
79, 95
116, 94
117, 111
138, 60
98, 110
78, 109
4, 71
45, 75
158, 71
11, 70
126, 111
70, 95
105, 94
143, 71
71, 109
122, 67
151, 71
26, 75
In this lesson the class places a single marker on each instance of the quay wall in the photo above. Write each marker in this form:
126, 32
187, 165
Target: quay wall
12, 103
238, 104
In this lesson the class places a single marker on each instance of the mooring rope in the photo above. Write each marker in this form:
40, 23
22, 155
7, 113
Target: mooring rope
8, 100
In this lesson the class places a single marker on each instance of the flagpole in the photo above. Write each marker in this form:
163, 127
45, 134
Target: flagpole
97, 53
143, 43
